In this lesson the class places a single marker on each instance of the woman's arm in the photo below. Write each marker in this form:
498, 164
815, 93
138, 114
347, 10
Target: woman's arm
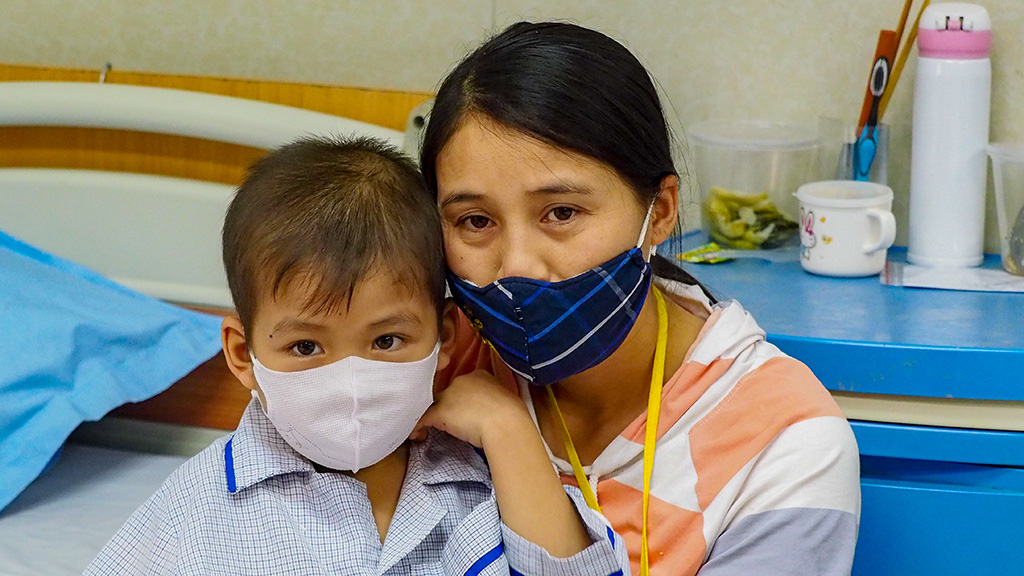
797, 512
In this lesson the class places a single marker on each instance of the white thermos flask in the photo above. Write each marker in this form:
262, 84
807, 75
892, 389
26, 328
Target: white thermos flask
952, 94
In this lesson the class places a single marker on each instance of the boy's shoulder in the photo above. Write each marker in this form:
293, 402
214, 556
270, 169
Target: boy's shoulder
443, 458
253, 452
197, 476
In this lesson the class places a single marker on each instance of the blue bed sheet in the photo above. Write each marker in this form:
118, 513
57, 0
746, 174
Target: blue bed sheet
75, 345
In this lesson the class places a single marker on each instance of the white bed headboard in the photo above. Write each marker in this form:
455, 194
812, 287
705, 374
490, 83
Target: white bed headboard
156, 234
169, 111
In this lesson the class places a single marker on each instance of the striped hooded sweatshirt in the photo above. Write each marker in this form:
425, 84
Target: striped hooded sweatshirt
755, 471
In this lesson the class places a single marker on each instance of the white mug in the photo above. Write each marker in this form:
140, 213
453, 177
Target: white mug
845, 227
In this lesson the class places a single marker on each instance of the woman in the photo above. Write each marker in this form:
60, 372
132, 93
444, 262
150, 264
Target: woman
708, 449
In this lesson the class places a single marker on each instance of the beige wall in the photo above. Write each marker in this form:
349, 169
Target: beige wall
791, 60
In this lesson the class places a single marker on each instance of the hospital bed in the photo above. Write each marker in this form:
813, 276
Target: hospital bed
129, 174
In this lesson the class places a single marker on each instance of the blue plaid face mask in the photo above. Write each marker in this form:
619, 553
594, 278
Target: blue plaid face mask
548, 331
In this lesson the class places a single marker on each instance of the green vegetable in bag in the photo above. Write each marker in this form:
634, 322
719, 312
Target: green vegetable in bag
746, 221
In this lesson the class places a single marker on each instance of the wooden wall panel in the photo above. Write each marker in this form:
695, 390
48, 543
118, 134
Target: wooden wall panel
124, 151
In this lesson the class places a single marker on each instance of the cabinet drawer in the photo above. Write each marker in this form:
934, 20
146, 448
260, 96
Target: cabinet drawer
931, 518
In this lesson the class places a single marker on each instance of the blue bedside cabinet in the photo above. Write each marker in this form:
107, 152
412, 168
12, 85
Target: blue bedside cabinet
933, 384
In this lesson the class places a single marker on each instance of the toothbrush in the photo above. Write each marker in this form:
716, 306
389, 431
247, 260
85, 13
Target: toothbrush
867, 144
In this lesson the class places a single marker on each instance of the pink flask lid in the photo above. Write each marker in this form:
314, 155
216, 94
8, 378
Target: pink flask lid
955, 30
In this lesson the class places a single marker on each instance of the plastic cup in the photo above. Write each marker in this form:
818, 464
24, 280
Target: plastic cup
1008, 177
748, 172
836, 142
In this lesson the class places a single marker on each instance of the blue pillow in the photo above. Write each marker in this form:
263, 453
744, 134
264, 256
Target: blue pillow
75, 345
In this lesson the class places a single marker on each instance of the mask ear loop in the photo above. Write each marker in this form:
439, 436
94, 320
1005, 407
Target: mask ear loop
257, 392
643, 232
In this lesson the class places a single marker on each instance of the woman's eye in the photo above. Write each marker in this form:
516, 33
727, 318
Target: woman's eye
562, 213
306, 348
386, 342
477, 222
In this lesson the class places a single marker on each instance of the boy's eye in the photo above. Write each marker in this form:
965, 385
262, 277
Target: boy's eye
386, 342
306, 348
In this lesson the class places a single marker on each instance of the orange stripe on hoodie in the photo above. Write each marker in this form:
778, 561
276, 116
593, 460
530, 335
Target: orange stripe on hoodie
685, 387
780, 392
675, 536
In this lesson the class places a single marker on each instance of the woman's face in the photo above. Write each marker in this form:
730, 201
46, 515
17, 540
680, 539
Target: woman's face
512, 205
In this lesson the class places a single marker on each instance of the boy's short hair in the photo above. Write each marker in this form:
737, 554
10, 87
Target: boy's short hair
331, 211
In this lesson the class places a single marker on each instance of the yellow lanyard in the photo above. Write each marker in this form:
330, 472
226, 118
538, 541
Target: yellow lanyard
651, 436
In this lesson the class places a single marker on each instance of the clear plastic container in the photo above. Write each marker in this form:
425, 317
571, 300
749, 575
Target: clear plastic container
748, 172
1008, 177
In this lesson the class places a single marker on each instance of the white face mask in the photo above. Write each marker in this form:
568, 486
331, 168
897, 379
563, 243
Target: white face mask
349, 414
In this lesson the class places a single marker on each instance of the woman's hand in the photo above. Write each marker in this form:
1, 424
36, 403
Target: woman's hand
474, 409
477, 409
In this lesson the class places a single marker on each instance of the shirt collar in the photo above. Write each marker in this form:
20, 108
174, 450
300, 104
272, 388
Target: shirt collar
256, 452
433, 463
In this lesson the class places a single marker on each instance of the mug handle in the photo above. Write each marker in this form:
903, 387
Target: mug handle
887, 230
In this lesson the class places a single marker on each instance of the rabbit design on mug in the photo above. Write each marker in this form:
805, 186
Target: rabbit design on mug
807, 240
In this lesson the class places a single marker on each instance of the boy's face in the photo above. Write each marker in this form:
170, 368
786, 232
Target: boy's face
385, 320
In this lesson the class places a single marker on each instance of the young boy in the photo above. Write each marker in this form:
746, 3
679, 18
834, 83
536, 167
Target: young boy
333, 256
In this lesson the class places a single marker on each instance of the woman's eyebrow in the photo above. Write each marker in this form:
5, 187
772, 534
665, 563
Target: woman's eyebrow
562, 188
553, 189
458, 197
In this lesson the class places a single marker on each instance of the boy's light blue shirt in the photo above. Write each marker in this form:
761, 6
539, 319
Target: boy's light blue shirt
250, 504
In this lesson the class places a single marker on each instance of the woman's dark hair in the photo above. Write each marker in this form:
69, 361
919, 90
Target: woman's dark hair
571, 87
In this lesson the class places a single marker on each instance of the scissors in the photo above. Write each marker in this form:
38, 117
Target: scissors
866, 146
